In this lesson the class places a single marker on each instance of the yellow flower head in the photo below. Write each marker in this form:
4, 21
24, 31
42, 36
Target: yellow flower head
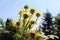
38, 14
26, 7
32, 21
32, 11
16, 23
32, 32
38, 34
25, 16
21, 12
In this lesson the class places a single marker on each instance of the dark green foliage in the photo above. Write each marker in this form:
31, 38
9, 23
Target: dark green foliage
47, 24
9, 31
57, 22
2, 23
10, 27
57, 19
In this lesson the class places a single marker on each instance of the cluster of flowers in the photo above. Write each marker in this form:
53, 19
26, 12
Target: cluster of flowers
24, 24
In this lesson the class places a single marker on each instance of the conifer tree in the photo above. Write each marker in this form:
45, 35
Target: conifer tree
47, 27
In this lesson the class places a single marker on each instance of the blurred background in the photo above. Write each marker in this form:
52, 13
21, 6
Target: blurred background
9, 8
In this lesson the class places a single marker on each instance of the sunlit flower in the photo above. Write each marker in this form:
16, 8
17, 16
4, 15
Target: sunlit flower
21, 12
38, 34
26, 7
32, 33
25, 16
16, 23
32, 11
38, 14
32, 21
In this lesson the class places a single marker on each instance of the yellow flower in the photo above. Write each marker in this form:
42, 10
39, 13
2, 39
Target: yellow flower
38, 34
32, 21
35, 33
25, 16
38, 14
26, 7
32, 32
32, 11
16, 23
21, 12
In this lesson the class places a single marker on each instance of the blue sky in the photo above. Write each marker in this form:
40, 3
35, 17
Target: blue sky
9, 8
